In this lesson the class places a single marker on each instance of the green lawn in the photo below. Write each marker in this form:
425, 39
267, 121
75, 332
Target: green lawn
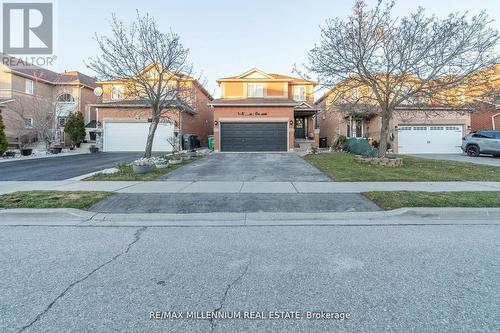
343, 167
126, 173
51, 199
394, 200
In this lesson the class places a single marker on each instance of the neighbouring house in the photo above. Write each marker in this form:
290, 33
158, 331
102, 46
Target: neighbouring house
487, 115
412, 130
422, 125
120, 120
264, 112
35, 102
487, 108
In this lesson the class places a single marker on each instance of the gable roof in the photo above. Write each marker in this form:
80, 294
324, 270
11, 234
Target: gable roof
26, 69
265, 77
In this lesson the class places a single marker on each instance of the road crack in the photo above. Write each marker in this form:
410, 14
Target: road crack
137, 237
226, 292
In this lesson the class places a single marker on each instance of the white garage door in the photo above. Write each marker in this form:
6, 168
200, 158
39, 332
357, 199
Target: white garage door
429, 139
132, 136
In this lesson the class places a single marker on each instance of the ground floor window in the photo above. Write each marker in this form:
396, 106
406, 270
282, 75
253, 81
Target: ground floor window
61, 121
355, 128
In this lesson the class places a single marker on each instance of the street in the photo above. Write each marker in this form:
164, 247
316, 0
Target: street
62, 167
435, 277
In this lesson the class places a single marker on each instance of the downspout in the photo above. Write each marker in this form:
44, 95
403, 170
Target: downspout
180, 129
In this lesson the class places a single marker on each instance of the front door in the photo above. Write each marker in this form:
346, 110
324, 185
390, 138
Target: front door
300, 131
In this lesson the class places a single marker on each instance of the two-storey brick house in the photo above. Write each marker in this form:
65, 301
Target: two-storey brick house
30, 95
264, 112
121, 118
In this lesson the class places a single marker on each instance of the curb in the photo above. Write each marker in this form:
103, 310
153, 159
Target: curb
82, 177
402, 216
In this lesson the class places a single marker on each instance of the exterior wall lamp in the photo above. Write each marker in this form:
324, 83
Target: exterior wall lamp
291, 122
216, 123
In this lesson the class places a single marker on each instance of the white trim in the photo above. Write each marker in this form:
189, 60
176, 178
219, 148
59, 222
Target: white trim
493, 120
29, 86
118, 89
295, 87
263, 86
254, 120
252, 71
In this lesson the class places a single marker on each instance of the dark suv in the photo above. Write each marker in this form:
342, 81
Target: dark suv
482, 142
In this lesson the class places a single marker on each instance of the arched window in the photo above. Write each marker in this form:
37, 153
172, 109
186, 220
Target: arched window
65, 105
65, 98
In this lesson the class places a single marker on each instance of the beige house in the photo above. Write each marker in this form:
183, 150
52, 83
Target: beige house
261, 112
36, 102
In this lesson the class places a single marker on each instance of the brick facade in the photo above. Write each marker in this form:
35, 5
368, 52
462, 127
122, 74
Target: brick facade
273, 114
487, 116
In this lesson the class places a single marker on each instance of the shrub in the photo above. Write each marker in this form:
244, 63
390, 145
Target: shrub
3, 139
339, 141
376, 144
75, 127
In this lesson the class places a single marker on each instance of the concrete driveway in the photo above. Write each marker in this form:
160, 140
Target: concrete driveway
269, 167
62, 167
483, 159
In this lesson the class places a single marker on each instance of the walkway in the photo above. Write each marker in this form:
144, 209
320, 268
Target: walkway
243, 187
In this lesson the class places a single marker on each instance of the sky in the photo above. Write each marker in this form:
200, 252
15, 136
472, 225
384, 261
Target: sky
226, 37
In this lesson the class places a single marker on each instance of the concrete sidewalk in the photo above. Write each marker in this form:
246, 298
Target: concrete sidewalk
243, 187
402, 216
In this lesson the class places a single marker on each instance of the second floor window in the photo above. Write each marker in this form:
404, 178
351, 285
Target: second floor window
117, 92
29, 88
255, 90
299, 93
28, 122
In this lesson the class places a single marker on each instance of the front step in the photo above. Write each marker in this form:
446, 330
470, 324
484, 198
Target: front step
303, 145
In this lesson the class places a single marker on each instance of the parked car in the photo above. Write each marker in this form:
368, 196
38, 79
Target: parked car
482, 142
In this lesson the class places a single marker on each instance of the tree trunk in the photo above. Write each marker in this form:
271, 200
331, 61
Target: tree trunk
384, 134
151, 135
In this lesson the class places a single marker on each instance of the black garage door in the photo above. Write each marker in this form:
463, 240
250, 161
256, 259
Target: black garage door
249, 136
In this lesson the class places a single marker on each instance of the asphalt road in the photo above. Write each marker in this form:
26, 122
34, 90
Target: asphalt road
62, 167
435, 278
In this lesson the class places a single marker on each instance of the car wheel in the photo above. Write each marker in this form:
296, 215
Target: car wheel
473, 151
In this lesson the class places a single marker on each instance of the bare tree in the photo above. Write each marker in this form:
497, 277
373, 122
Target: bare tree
151, 64
32, 118
403, 60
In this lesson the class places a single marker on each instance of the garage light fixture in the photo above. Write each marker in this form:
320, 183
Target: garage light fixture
216, 123
291, 122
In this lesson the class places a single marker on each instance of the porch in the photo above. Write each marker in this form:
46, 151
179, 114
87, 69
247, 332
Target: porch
306, 128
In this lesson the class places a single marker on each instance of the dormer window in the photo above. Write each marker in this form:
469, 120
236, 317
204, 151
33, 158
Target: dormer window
255, 90
117, 92
299, 93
